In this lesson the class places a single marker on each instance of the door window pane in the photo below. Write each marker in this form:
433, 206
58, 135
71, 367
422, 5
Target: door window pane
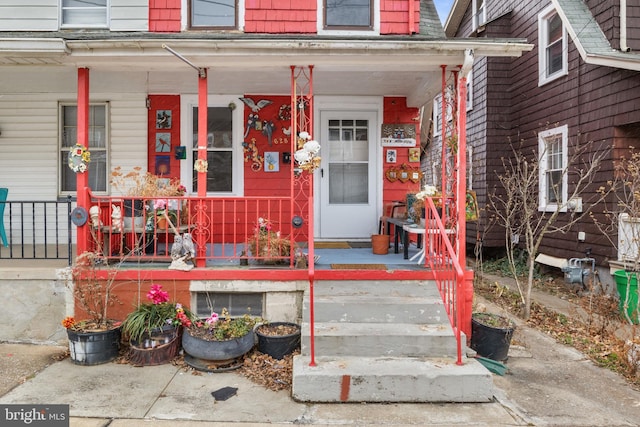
348, 151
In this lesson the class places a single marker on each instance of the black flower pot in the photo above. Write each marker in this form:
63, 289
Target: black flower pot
278, 346
491, 335
94, 348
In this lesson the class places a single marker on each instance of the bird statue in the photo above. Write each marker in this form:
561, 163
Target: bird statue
176, 247
188, 246
256, 107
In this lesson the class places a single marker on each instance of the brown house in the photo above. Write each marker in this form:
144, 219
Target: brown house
580, 83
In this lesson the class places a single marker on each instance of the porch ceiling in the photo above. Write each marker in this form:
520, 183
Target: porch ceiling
402, 67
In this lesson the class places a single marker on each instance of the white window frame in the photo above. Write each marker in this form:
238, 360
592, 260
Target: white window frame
469, 167
187, 102
470, 91
543, 44
105, 24
479, 10
322, 29
63, 149
544, 138
437, 115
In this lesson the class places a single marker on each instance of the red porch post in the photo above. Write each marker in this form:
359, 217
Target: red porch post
82, 178
202, 171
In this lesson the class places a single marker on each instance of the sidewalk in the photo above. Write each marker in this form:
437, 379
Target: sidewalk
547, 385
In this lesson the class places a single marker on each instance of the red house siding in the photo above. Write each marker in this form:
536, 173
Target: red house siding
394, 17
280, 16
164, 16
396, 111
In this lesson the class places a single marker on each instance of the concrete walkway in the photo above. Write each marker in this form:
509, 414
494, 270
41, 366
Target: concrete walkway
548, 384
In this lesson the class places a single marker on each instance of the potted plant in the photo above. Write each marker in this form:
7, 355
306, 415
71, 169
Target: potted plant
491, 335
277, 339
96, 339
267, 245
219, 338
154, 328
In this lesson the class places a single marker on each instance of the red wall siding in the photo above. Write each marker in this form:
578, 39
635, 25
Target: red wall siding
280, 16
396, 111
164, 16
394, 16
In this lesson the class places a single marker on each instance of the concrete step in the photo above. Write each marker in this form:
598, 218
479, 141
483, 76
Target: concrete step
363, 288
380, 340
358, 379
378, 309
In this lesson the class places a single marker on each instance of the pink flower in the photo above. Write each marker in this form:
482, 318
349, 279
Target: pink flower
157, 295
159, 204
212, 319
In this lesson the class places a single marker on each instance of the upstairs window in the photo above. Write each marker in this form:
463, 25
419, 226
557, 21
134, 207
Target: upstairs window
221, 14
479, 13
348, 14
552, 46
84, 13
552, 146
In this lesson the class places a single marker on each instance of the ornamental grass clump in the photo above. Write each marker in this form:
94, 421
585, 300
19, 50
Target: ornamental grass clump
155, 314
267, 244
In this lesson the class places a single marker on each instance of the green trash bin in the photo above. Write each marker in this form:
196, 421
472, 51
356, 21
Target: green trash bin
623, 279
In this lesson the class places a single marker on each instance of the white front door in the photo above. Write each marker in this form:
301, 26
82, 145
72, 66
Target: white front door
348, 174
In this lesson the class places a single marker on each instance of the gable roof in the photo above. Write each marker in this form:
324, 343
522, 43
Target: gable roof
593, 45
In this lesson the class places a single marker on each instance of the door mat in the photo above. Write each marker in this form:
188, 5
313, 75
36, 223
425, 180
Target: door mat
358, 245
358, 267
331, 245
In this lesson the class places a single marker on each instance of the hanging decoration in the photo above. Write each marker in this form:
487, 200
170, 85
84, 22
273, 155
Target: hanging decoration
79, 158
307, 153
251, 154
201, 166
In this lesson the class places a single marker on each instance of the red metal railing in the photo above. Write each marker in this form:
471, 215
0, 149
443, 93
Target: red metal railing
223, 229
449, 274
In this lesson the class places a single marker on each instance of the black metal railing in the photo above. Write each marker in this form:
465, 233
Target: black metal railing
37, 230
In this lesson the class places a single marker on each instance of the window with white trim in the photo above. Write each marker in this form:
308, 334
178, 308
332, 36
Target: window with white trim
552, 152
348, 15
552, 46
437, 115
84, 13
98, 146
220, 14
469, 101
479, 13
219, 149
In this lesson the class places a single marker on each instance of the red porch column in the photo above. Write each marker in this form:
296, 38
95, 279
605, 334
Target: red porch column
466, 291
82, 178
202, 172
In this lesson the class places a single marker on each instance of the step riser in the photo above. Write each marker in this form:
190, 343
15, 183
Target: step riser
383, 346
426, 289
341, 381
419, 312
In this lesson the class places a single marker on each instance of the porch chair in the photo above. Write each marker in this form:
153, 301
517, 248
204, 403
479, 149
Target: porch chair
390, 210
3, 198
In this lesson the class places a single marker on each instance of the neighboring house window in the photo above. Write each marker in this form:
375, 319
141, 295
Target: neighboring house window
479, 14
552, 146
213, 14
469, 100
352, 14
469, 167
552, 48
84, 13
219, 150
437, 116
98, 146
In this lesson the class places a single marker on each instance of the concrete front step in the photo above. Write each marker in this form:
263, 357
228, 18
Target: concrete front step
380, 340
360, 379
378, 309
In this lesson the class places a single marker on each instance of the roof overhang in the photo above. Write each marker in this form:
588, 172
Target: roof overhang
402, 67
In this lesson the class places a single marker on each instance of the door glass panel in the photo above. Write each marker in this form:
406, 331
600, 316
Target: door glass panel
348, 162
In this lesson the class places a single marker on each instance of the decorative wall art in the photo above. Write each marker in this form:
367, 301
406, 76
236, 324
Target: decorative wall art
403, 173
392, 155
271, 161
398, 135
163, 119
163, 142
252, 155
414, 154
163, 165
